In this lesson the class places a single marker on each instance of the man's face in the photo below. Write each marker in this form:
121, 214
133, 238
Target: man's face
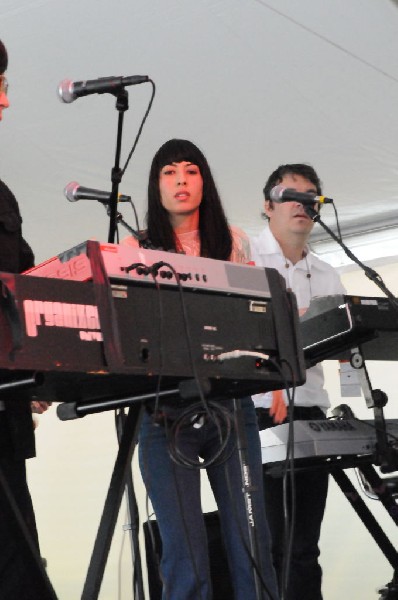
4, 103
290, 218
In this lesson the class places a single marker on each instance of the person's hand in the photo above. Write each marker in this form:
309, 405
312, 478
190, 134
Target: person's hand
39, 406
278, 409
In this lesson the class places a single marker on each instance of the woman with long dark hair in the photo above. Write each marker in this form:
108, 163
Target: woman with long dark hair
185, 215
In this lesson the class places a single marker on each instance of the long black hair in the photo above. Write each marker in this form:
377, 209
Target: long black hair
3, 58
214, 233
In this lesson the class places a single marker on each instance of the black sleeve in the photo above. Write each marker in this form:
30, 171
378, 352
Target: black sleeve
15, 253
15, 256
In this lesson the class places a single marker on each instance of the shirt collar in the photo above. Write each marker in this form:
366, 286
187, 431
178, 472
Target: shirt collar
269, 245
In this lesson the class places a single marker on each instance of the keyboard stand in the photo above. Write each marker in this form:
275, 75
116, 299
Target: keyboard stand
386, 458
121, 480
127, 443
367, 518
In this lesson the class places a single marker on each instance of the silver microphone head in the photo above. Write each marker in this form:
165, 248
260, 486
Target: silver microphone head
65, 91
276, 193
70, 191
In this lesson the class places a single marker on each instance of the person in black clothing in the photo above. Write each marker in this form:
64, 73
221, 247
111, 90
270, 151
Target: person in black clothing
20, 577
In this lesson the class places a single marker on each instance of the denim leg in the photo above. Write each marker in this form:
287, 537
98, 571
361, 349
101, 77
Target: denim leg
233, 511
175, 495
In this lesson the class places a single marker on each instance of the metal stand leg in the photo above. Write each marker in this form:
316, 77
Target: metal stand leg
112, 504
366, 516
134, 522
391, 590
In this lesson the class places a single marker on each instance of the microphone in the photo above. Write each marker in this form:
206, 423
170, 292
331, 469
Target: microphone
282, 194
73, 192
69, 90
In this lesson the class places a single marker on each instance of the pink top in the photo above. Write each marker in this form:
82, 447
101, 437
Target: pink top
191, 245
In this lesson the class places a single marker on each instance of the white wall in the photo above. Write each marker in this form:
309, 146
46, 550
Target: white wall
70, 477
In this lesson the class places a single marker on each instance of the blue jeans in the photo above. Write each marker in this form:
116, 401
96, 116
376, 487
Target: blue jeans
174, 491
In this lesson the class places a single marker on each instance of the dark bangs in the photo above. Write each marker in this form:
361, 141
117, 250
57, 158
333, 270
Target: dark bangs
215, 236
176, 151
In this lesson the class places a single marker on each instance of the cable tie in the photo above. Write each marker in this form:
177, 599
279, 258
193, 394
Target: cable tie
240, 353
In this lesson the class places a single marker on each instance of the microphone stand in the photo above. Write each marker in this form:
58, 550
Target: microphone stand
144, 243
376, 399
370, 273
120, 219
122, 104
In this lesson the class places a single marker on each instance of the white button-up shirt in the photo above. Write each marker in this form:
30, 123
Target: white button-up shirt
324, 280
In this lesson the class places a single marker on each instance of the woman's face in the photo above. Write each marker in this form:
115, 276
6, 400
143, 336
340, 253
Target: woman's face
181, 188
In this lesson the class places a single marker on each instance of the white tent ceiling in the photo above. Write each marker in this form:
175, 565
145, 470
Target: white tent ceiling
254, 83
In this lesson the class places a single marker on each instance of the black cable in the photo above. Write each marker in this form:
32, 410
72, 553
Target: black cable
289, 520
146, 447
141, 127
153, 270
242, 538
137, 223
369, 272
186, 326
137, 137
220, 417
336, 214
204, 403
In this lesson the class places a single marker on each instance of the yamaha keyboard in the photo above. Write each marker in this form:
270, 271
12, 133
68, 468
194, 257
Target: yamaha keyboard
334, 324
324, 439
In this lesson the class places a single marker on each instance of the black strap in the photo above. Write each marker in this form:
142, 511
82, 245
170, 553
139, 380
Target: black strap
9, 308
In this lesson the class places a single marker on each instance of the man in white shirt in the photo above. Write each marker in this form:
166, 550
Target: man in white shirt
283, 245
